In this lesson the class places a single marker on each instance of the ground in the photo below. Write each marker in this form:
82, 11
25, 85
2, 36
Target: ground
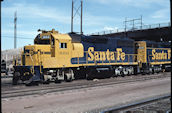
82, 100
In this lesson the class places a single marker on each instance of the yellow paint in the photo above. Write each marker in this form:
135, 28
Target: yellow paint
142, 53
158, 56
112, 56
91, 56
61, 57
161, 55
159, 63
169, 54
103, 56
76, 51
158, 48
120, 54
33, 57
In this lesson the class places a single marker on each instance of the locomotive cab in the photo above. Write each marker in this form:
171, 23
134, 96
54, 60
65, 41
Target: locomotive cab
51, 52
63, 47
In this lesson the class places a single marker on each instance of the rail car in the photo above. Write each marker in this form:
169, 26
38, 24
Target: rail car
154, 56
56, 57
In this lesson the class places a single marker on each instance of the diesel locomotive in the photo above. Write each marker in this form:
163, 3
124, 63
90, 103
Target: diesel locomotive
56, 57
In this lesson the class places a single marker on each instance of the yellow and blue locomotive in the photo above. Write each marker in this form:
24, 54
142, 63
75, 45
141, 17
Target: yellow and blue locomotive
153, 56
57, 57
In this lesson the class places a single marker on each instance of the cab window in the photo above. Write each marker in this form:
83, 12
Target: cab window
45, 37
63, 45
42, 40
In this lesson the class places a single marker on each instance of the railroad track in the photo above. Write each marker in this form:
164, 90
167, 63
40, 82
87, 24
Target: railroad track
10, 87
44, 89
134, 107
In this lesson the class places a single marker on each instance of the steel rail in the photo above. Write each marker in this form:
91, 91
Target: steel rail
86, 82
8, 94
66, 84
135, 104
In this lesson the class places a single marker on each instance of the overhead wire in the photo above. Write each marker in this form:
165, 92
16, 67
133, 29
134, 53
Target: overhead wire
19, 37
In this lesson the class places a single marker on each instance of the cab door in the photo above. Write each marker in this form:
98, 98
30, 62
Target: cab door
52, 47
64, 53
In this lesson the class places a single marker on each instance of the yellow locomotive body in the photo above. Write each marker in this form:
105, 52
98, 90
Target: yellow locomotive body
51, 50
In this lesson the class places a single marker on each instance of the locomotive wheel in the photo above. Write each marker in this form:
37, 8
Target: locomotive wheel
67, 79
88, 77
89, 74
33, 83
122, 73
128, 73
153, 71
16, 78
46, 82
6, 72
57, 81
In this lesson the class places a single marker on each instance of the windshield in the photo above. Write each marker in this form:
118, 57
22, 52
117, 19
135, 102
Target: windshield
45, 39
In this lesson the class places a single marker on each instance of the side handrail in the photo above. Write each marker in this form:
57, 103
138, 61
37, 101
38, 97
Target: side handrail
40, 60
32, 70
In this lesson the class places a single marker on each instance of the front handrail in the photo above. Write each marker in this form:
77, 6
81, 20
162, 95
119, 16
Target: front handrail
32, 69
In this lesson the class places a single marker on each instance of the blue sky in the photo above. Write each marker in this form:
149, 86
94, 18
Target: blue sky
98, 15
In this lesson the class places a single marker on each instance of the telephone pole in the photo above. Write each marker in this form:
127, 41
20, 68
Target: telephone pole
81, 16
72, 18
74, 12
15, 30
0, 23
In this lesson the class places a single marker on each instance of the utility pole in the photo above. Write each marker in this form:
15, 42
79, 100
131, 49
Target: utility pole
170, 18
0, 22
125, 35
81, 17
141, 22
76, 10
125, 24
15, 30
72, 18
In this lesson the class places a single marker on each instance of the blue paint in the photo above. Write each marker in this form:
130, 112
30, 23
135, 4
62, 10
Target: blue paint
104, 43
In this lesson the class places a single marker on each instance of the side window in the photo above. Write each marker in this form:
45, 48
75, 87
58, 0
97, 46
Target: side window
63, 45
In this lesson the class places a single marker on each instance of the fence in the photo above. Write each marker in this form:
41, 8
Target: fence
135, 28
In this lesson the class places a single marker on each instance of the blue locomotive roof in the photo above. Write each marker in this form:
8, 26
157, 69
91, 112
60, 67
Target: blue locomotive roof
102, 39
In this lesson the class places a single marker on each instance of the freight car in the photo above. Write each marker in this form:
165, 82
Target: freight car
57, 57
